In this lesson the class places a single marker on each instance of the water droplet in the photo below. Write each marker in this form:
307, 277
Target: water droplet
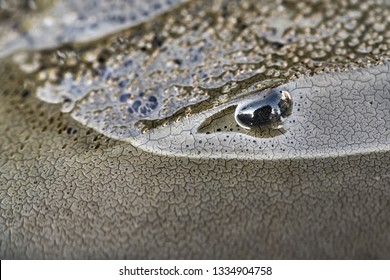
268, 109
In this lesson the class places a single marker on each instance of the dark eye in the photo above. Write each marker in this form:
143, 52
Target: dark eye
269, 108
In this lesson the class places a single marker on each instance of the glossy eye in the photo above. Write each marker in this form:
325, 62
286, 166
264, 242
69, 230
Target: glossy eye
268, 109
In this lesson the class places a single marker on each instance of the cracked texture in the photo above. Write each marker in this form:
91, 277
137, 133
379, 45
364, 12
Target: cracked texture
68, 191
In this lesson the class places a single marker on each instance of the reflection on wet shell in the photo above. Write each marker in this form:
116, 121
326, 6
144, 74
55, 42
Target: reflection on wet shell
269, 109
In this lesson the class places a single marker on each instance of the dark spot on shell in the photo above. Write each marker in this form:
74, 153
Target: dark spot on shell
194, 58
157, 6
25, 93
143, 110
123, 84
277, 45
178, 61
136, 105
128, 63
124, 97
103, 56
71, 131
157, 41
152, 102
